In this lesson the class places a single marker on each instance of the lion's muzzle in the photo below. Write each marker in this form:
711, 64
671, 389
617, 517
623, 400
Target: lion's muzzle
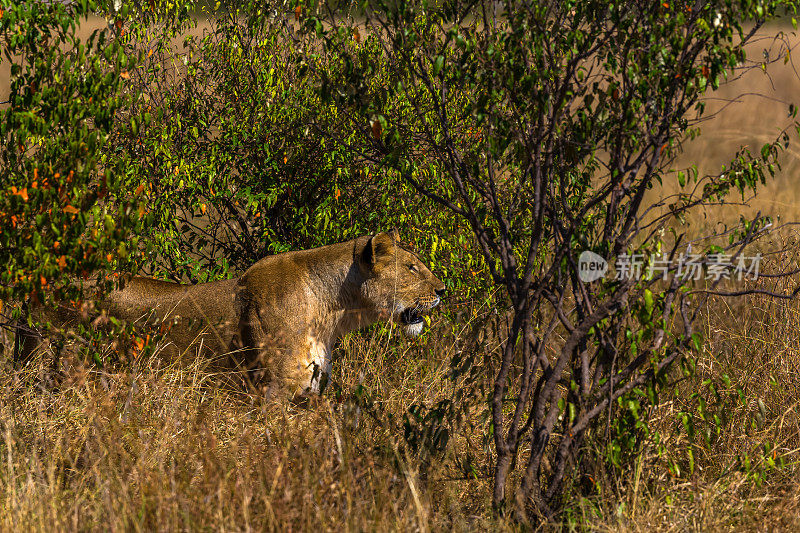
411, 317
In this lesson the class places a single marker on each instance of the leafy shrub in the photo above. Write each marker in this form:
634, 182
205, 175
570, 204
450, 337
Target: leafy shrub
58, 214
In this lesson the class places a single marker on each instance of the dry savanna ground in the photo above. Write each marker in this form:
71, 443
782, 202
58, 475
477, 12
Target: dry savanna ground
156, 446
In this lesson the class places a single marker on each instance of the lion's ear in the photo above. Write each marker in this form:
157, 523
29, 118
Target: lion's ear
394, 234
377, 246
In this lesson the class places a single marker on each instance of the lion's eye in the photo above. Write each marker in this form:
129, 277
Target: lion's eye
412, 268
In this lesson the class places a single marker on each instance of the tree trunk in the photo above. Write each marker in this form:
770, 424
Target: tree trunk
501, 471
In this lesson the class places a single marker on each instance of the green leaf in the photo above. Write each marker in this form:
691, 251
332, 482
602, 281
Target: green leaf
648, 301
437, 65
697, 341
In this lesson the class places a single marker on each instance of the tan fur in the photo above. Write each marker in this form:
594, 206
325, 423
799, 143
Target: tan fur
282, 317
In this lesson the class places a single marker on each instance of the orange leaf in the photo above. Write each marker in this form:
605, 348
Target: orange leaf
56, 245
297, 11
109, 257
203, 208
43, 280
62, 262
356, 35
57, 175
35, 173
71, 209
376, 129
139, 189
124, 75
23, 193
337, 193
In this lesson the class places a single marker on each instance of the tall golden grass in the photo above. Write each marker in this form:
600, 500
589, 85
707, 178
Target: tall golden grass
169, 448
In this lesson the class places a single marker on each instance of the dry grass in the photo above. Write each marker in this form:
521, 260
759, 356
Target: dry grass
720, 495
168, 448
754, 341
164, 448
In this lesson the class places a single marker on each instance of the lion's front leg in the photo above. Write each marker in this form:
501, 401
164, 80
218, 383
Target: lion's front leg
299, 365
318, 365
307, 369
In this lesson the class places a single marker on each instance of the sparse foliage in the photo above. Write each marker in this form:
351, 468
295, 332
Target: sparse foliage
543, 125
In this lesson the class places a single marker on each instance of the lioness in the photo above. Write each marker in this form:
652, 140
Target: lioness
282, 317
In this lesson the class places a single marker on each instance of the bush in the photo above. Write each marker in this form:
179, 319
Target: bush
61, 211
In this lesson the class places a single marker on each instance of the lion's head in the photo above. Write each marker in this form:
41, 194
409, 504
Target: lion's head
397, 282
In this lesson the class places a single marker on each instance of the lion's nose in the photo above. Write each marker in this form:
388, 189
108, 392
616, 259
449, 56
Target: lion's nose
439, 292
